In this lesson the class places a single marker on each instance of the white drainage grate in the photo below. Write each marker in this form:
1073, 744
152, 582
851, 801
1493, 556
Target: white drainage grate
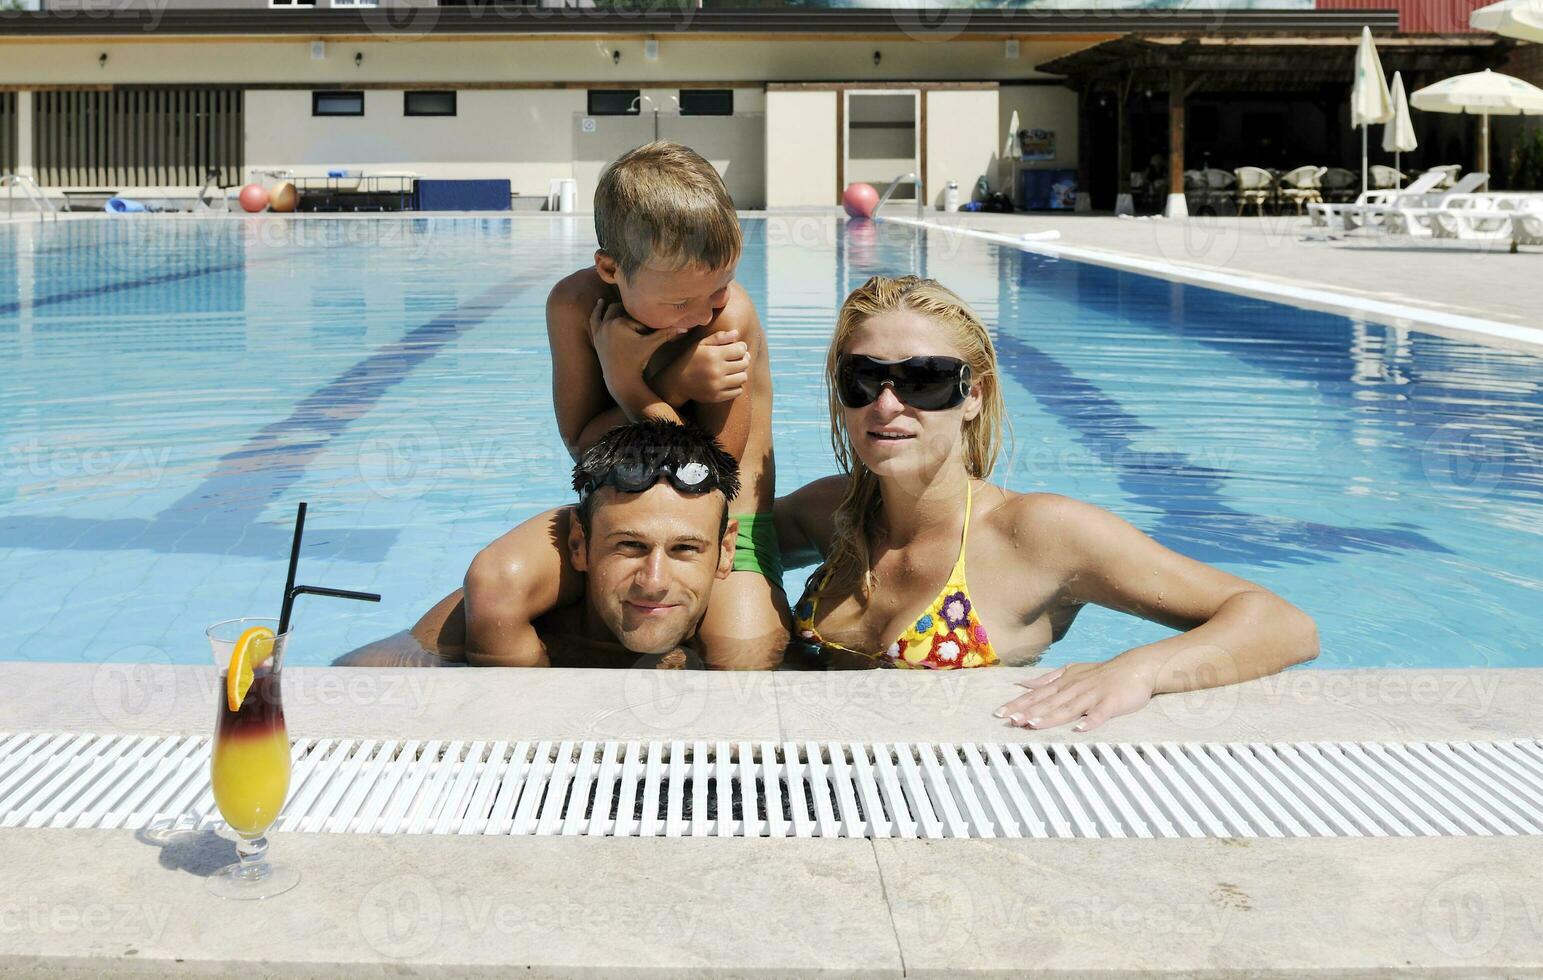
722, 789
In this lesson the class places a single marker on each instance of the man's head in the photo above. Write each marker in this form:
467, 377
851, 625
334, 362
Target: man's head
653, 532
669, 237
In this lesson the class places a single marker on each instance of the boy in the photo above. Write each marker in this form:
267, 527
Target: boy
658, 328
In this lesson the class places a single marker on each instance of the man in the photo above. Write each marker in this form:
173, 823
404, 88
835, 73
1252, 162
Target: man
620, 580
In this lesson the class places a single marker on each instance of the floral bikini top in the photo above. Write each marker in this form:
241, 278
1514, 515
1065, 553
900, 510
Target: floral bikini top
946, 635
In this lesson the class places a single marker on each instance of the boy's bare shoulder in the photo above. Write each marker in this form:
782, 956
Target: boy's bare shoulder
579, 289
739, 313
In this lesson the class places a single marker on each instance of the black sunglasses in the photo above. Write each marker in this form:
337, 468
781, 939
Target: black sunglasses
928, 384
637, 475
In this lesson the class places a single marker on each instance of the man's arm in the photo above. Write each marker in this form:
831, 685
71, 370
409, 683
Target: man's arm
512, 583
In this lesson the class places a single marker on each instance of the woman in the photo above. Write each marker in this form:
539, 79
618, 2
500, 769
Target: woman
916, 424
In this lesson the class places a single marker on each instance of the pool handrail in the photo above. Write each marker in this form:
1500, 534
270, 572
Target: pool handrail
31, 192
921, 200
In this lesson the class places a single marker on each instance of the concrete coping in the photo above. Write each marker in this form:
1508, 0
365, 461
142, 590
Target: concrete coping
83, 903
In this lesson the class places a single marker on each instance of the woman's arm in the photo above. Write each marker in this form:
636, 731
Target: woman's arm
1234, 630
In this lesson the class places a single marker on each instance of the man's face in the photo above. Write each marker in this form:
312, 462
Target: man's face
660, 299
651, 559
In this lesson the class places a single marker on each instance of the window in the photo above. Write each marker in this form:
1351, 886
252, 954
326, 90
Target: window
614, 102
707, 102
428, 103
337, 103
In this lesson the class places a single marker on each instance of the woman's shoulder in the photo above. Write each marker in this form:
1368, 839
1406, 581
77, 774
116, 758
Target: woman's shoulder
1027, 518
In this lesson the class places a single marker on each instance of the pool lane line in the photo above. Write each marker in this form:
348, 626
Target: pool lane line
1194, 516
217, 516
279, 452
108, 289
1399, 315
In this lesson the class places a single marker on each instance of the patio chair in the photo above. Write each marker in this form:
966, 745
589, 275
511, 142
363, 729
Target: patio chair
1256, 186
1339, 185
1220, 189
1385, 178
1300, 186
1449, 172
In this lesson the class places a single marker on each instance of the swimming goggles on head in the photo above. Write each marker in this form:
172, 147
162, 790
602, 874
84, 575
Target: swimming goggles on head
928, 384
637, 475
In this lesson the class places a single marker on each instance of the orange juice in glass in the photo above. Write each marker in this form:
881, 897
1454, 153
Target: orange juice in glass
249, 761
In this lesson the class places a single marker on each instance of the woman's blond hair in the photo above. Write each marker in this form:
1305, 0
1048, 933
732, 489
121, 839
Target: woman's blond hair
847, 565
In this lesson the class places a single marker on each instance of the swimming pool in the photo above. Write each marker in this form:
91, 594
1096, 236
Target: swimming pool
173, 387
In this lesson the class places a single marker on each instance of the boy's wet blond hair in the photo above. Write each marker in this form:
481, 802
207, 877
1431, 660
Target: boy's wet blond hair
662, 204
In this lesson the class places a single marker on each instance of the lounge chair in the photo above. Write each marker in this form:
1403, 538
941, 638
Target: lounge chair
1411, 198
1363, 210
1474, 218
1415, 215
1527, 222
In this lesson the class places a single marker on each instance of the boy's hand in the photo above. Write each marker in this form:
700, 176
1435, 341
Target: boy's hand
624, 348
715, 369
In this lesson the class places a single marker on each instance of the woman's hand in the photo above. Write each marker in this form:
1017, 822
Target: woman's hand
1092, 692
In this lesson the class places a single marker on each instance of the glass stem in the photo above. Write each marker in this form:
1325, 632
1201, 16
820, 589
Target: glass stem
252, 853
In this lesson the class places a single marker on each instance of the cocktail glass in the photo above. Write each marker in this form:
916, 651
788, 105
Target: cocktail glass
249, 766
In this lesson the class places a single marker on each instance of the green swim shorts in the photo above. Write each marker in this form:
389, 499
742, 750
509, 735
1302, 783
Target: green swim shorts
755, 548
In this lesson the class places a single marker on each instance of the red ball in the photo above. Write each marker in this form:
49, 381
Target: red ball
860, 200
254, 198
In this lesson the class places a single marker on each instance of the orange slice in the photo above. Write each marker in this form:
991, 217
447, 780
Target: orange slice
253, 648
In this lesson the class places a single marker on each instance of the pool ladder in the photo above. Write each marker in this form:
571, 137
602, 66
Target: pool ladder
921, 198
31, 192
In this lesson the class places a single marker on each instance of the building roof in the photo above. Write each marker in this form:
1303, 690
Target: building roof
125, 22
1272, 63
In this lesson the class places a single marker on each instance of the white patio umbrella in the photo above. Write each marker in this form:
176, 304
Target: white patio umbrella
1513, 18
1483, 93
1398, 134
1369, 100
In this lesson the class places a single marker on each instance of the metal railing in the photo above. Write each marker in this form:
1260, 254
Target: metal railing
921, 197
31, 192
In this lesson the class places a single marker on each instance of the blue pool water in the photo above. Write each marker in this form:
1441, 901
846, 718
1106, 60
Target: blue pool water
173, 388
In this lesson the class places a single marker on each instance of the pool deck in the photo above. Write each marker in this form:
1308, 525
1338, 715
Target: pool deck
1470, 290
80, 903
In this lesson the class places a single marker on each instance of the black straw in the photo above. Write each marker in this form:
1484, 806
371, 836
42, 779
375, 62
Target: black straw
294, 561
291, 589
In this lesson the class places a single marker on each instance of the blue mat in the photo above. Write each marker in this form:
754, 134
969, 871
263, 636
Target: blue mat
461, 195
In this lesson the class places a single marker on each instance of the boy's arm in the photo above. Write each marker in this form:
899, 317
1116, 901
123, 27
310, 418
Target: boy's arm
512, 583
578, 385
729, 421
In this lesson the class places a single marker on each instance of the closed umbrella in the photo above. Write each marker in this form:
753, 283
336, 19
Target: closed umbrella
1398, 134
1369, 100
1482, 93
1513, 18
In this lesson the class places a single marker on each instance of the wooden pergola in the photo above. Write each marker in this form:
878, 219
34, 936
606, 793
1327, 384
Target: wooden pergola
1181, 65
